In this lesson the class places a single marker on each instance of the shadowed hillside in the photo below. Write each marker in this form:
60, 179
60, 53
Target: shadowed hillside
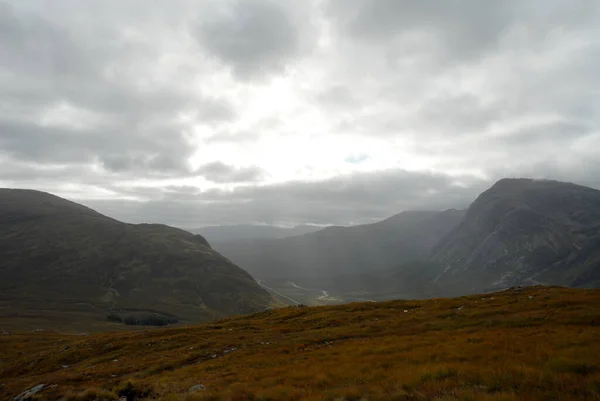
66, 263
522, 344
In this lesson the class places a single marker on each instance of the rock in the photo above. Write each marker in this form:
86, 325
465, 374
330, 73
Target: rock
32, 391
197, 387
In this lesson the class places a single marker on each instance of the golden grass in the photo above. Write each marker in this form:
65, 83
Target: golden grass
537, 344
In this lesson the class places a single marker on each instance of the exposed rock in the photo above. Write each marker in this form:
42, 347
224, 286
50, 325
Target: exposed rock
32, 391
524, 232
197, 387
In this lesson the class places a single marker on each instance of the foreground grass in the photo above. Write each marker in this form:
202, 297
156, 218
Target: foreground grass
537, 344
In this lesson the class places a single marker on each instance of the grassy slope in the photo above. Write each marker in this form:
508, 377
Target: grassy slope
67, 262
536, 344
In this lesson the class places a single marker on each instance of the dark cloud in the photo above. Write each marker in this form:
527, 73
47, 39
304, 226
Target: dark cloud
254, 37
463, 29
106, 115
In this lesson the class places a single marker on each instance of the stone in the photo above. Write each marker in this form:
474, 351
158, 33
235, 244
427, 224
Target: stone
197, 387
32, 391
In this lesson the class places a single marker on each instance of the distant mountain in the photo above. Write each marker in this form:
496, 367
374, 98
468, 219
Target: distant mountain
56, 255
524, 231
518, 232
345, 251
251, 232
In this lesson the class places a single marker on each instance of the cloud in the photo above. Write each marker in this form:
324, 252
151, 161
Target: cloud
223, 173
358, 198
68, 101
254, 37
322, 111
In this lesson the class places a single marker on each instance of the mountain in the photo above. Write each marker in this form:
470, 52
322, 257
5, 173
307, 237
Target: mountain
336, 252
524, 231
60, 256
251, 232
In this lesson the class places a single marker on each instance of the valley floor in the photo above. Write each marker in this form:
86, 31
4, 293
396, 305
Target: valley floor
537, 343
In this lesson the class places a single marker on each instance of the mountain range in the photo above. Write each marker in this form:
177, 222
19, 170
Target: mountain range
519, 232
62, 261
61, 257
341, 251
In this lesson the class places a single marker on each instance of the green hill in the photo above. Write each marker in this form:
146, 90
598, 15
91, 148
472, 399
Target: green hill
65, 263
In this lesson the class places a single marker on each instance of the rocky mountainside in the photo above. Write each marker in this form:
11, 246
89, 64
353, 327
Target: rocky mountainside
345, 251
524, 231
57, 255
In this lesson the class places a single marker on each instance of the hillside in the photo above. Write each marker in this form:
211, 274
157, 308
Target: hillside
344, 251
244, 232
523, 231
66, 263
522, 344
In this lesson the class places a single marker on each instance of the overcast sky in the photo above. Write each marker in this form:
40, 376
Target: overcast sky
208, 112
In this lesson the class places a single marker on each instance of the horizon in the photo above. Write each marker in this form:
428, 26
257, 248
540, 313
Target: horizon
287, 226
326, 112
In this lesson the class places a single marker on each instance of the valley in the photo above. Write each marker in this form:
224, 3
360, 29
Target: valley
324, 200
428, 305
518, 232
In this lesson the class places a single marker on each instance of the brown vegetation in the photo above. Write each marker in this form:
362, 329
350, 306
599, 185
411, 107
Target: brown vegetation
539, 343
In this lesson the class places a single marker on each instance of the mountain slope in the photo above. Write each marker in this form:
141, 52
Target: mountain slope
536, 344
61, 256
524, 231
345, 251
251, 232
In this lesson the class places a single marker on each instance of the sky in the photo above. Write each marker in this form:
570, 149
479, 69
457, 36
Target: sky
214, 112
